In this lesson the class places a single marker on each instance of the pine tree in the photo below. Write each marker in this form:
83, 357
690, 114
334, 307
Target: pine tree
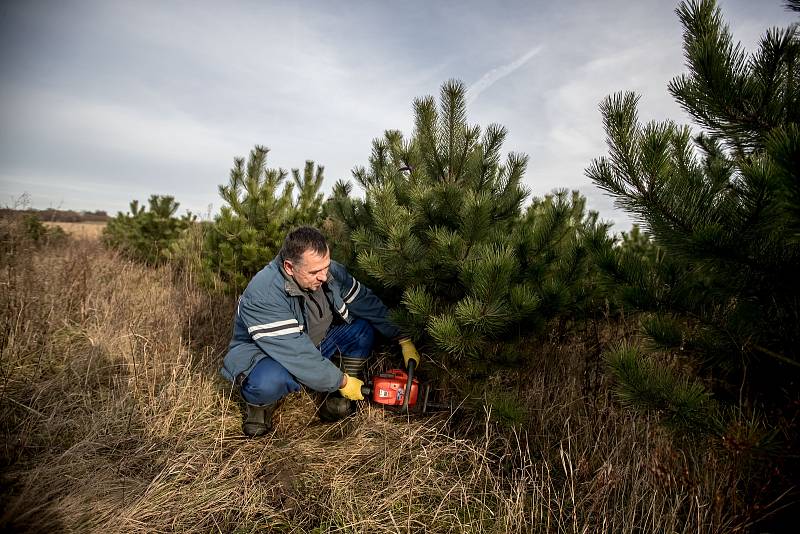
261, 208
720, 290
552, 247
38, 233
442, 233
308, 206
147, 234
343, 214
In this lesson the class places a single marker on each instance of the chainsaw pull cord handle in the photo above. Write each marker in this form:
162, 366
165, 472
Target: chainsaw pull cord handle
409, 383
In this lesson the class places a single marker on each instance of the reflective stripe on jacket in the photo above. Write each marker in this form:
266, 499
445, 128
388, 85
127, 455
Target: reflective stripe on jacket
269, 320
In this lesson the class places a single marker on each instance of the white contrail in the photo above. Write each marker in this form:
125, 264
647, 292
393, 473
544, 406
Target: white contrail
498, 73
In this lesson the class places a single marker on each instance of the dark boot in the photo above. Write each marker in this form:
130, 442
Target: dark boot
258, 420
335, 407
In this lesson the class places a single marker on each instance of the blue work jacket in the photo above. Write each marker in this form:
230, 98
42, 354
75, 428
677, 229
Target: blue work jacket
270, 321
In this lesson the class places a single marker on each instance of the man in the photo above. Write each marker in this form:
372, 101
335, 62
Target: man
295, 315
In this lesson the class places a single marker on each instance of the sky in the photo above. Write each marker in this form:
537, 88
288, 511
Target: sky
103, 102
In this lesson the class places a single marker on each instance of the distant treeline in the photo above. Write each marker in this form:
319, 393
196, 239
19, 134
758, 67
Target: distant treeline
54, 215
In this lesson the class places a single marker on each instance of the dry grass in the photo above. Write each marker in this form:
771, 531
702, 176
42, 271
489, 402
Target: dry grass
114, 419
80, 230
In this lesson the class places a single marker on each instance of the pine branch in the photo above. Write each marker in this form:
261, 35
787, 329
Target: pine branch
682, 405
454, 112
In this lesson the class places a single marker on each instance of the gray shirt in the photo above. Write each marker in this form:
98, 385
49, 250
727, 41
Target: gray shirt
319, 314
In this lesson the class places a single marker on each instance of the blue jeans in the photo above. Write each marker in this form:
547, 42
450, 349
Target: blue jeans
270, 381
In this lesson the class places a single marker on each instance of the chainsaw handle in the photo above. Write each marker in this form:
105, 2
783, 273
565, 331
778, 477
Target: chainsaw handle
410, 371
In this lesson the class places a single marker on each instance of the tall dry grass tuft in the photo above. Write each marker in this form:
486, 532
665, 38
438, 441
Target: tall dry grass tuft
114, 418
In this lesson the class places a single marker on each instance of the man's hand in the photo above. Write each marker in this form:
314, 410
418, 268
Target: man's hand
409, 352
352, 388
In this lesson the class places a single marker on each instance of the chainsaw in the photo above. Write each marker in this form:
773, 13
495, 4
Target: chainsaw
400, 390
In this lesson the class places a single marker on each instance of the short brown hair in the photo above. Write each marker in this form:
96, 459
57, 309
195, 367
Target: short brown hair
300, 240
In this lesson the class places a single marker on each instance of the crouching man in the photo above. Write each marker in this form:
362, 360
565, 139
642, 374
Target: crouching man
296, 315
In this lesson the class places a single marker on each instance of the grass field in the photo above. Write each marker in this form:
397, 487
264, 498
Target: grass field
114, 419
89, 230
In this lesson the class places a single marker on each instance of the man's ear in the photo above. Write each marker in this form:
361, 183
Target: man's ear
288, 267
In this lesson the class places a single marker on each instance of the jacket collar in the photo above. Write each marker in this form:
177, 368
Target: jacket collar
289, 285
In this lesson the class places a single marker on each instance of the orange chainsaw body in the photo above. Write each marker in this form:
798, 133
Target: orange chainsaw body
389, 388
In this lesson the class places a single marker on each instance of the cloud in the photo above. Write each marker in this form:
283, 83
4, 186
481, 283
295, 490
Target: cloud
64, 124
498, 73
122, 101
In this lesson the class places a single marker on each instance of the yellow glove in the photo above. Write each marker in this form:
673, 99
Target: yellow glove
352, 388
409, 352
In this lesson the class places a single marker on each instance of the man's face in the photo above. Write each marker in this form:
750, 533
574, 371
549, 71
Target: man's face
311, 272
